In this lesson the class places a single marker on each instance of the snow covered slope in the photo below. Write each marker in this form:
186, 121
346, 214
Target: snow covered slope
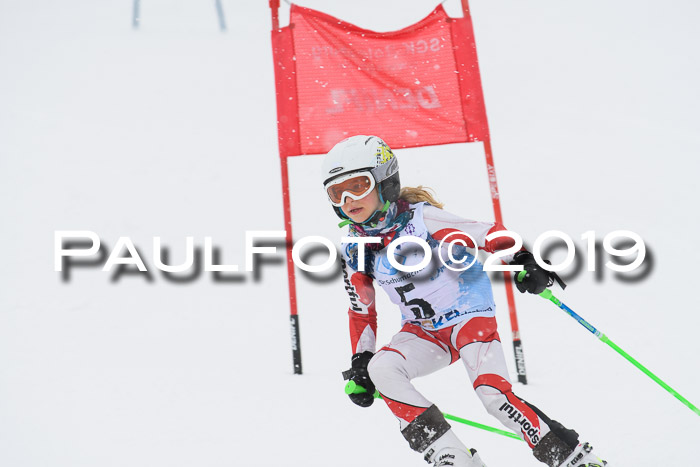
170, 131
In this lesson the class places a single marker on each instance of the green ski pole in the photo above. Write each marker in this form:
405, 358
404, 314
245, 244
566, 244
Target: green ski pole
353, 388
547, 295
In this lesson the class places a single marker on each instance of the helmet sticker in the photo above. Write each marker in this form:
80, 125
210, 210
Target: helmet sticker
384, 154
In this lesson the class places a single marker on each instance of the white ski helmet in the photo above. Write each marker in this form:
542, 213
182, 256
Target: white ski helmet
364, 153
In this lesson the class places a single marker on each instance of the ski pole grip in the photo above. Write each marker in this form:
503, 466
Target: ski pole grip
353, 388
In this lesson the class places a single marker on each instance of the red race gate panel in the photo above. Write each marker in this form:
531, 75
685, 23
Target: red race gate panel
418, 86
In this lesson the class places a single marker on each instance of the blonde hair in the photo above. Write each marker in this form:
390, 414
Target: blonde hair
419, 194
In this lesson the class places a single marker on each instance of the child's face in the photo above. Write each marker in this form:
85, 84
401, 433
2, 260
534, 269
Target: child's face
360, 210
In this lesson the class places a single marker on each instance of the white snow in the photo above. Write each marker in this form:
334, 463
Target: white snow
170, 131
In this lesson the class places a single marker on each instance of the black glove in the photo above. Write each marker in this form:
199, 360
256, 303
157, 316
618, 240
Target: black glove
533, 278
359, 374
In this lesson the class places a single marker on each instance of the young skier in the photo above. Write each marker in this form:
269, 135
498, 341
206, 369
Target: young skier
447, 314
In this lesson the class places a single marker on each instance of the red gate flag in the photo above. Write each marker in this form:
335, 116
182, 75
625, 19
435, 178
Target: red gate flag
418, 86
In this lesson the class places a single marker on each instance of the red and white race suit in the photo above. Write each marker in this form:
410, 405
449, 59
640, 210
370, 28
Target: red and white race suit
446, 316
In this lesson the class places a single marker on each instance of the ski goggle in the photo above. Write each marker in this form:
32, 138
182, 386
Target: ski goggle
355, 185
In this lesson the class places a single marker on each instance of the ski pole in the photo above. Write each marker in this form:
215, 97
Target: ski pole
353, 388
547, 295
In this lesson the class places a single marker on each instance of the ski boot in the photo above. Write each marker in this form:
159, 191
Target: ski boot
583, 457
458, 458
448, 450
